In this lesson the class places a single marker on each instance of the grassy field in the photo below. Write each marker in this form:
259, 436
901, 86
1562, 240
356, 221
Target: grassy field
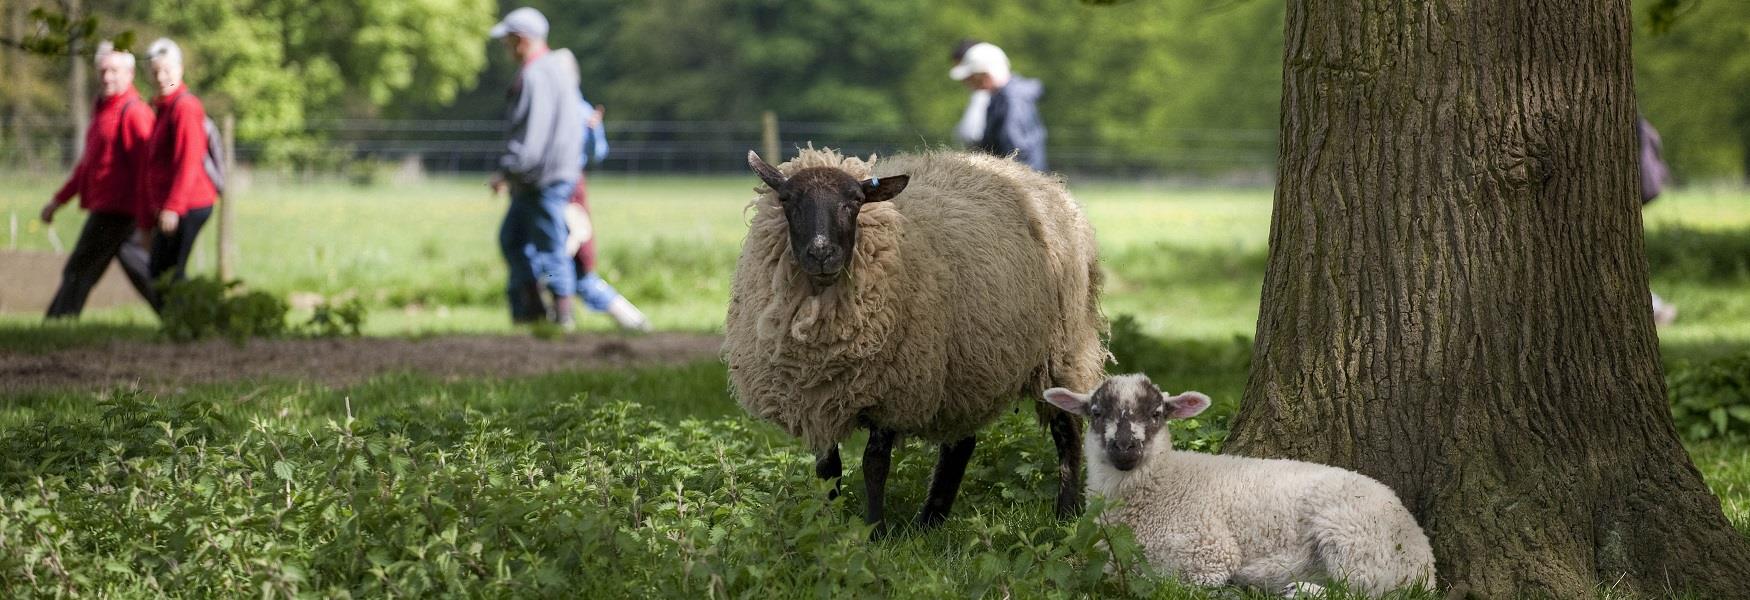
640, 482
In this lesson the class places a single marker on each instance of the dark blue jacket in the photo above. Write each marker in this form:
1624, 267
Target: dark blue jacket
1012, 123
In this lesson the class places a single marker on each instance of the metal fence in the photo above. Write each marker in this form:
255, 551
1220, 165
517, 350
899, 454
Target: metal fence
450, 146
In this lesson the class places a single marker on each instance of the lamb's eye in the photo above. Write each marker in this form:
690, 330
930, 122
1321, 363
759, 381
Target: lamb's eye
1095, 412
1160, 412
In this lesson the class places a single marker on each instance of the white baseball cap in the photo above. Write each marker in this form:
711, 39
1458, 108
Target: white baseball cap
980, 58
524, 22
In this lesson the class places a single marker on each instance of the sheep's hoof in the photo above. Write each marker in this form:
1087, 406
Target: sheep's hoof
881, 532
1069, 508
928, 519
1302, 589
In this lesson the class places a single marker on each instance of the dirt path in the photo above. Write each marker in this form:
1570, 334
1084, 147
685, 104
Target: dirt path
340, 361
28, 281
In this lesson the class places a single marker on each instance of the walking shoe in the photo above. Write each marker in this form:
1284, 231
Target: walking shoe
628, 316
562, 314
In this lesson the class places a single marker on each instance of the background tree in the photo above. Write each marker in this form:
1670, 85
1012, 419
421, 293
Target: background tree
1693, 79
278, 64
1456, 298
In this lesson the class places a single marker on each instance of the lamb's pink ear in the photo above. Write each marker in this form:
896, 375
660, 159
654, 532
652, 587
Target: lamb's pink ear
1187, 405
1067, 400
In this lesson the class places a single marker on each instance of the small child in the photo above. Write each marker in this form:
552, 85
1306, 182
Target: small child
594, 291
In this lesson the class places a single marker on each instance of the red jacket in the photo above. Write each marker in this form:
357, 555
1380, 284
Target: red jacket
176, 177
106, 180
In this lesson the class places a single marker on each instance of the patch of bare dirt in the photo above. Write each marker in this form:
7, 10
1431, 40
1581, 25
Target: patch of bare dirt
28, 281
337, 362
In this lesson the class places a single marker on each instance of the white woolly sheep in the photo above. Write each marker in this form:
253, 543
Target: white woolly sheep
1217, 520
922, 313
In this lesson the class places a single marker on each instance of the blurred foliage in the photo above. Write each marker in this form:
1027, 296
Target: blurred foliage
202, 307
1712, 398
278, 64
1694, 85
1124, 74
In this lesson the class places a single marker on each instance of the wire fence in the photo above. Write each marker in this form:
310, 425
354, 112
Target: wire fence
458, 146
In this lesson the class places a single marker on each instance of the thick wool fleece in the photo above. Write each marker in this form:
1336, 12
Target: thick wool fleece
1219, 520
975, 284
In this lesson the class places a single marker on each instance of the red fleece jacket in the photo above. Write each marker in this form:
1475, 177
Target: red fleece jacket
107, 178
176, 178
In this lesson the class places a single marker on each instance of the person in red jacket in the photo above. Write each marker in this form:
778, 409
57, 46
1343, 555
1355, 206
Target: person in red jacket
106, 182
179, 194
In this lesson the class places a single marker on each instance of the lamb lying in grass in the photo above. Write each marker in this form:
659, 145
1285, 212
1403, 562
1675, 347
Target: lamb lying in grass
1215, 520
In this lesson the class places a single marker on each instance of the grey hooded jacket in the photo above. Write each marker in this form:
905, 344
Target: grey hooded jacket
1012, 124
545, 124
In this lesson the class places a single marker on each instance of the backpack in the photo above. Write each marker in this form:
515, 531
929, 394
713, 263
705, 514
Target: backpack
214, 162
215, 159
1654, 174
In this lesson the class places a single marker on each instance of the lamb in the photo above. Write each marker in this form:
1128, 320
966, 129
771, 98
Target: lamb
924, 313
1217, 520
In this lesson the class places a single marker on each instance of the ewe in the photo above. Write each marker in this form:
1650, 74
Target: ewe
1216, 520
920, 296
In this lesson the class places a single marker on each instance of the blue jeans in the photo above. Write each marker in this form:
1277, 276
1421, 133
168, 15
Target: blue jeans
532, 239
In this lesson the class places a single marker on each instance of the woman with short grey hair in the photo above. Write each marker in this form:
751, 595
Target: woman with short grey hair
179, 192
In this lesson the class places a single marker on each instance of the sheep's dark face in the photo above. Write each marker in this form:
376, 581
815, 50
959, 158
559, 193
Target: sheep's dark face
1127, 418
821, 205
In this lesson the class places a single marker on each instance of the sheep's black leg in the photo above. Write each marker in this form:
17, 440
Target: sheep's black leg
828, 466
877, 457
945, 484
1066, 432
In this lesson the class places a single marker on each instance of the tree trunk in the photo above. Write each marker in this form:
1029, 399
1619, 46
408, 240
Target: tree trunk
78, 88
15, 72
1456, 301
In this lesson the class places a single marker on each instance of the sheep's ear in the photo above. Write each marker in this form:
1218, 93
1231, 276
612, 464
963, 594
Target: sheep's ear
767, 172
1187, 405
877, 189
1067, 400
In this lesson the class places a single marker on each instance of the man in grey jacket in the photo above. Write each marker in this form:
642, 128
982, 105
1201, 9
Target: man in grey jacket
540, 166
1011, 122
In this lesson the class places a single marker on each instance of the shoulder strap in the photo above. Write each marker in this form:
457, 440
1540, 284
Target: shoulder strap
121, 125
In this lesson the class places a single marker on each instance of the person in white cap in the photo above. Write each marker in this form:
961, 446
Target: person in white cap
1011, 121
541, 165
970, 130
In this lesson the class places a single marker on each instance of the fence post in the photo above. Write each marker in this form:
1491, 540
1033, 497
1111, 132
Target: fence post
770, 139
227, 228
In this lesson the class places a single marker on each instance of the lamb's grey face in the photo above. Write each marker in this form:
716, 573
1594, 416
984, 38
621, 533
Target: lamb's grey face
821, 206
1127, 417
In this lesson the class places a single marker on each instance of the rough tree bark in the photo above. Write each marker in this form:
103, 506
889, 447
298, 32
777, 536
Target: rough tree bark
1456, 301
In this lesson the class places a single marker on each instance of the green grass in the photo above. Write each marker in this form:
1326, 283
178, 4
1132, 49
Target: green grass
424, 255
637, 482
643, 482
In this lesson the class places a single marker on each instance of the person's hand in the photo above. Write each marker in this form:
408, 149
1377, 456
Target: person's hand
496, 184
167, 221
49, 211
595, 119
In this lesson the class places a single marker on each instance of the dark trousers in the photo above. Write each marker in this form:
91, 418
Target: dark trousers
105, 237
170, 252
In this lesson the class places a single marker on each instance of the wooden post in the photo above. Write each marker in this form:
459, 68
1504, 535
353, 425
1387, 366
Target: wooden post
770, 138
227, 227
